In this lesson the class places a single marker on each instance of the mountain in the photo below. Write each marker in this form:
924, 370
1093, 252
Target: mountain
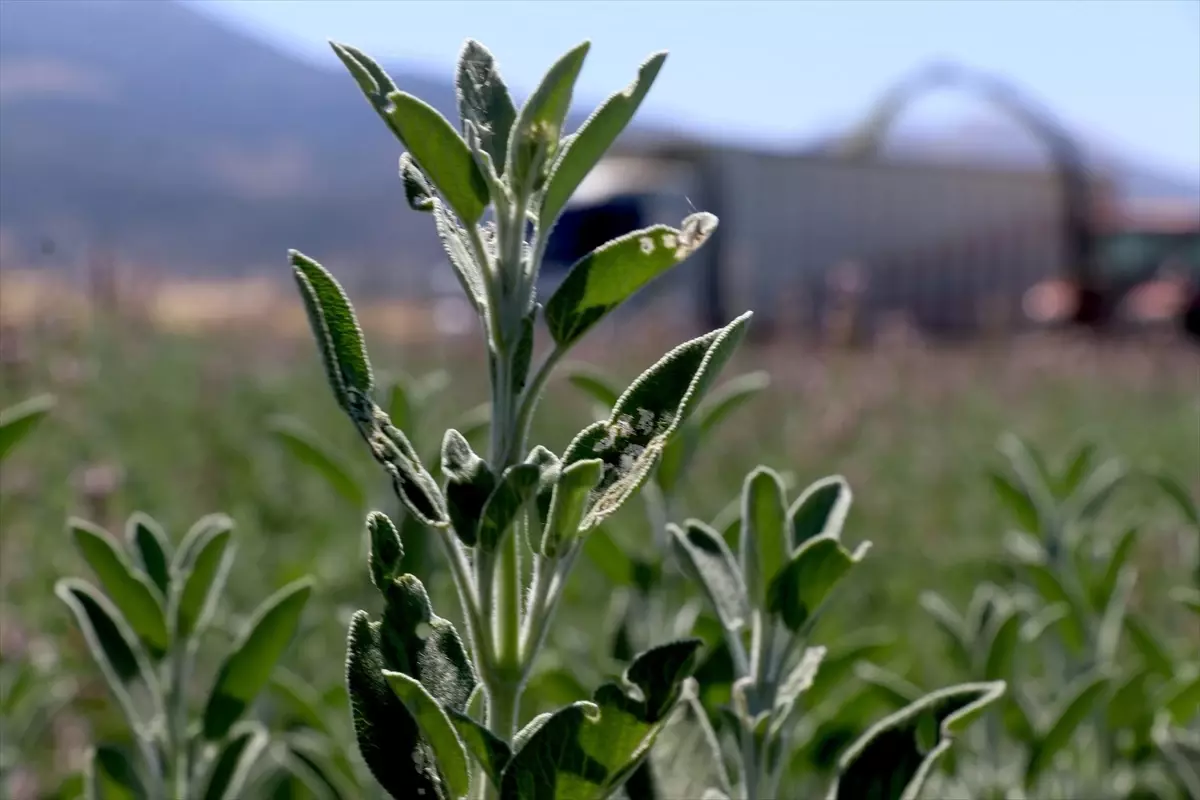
146, 130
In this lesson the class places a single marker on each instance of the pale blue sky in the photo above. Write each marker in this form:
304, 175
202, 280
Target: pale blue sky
1125, 72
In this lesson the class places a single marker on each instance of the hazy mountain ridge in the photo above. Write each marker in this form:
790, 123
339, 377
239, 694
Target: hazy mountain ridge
173, 140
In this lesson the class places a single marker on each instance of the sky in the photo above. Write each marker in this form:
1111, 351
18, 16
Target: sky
1126, 73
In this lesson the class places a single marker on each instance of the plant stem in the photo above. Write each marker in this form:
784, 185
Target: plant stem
508, 605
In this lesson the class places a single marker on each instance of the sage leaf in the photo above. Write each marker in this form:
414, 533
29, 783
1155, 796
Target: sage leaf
417, 190
337, 332
1179, 700
817, 566
951, 624
1017, 501
1122, 549
114, 648
467, 269
234, 762
1004, 633
594, 137
370, 77
820, 509
1181, 751
586, 751
549, 468
435, 729
411, 482
1077, 469
113, 776
895, 690
1065, 719
491, 753
304, 446
441, 154
706, 557
799, 680
130, 591
1155, 653
300, 699
893, 759
517, 486
538, 129
18, 421
595, 384
686, 760
197, 534
763, 546
469, 484
647, 415
147, 539
615, 271
484, 101
248, 667
387, 551
202, 581
568, 504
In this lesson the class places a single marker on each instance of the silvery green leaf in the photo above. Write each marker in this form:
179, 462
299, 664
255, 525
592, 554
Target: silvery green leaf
198, 533
534, 138
411, 482
469, 484
897, 691
387, 551
1078, 469
1118, 557
593, 139
568, 504
484, 101
764, 546
1108, 633
490, 752
130, 591
648, 414
147, 539
201, 580
412, 640
337, 332
441, 154
300, 699
1054, 593
247, 668
817, 566
820, 509
111, 775
615, 271
1000, 643
1078, 700
1130, 704
115, 649
595, 384
686, 760
1033, 481
710, 563
234, 762
951, 624
1180, 497
516, 487
304, 446
436, 731
1093, 494
18, 421
799, 680
1156, 655
370, 77
1181, 750
587, 750
417, 191
1179, 700
468, 270
894, 758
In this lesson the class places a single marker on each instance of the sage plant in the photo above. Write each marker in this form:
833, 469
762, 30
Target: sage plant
511, 522
790, 559
144, 630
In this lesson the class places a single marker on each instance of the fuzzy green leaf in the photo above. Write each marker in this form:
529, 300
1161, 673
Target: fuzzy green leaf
593, 139
387, 551
411, 482
18, 421
300, 699
1155, 653
202, 581
336, 329
889, 686
707, 559
1066, 718
517, 486
304, 446
648, 414
1016, 500
1119, 556
535, 136
1002, 636
1078, 469
595, 384
248, 667
130, 591
490, 752
234, 762
417, 190
196, 535
686, 760
951, 624
441, 154
728, 398
1181, 752
112, 776
435, 729
820, 509
1180, 698
1108, 633
587, 750
893, 759
568, 504
412, 640
615, 271
147, 539
764, 549
113, 646
375, 83
469, 484
798, 681
816, 567
1054, 593
1174, 490
484, 101
1093, 494
467, 269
